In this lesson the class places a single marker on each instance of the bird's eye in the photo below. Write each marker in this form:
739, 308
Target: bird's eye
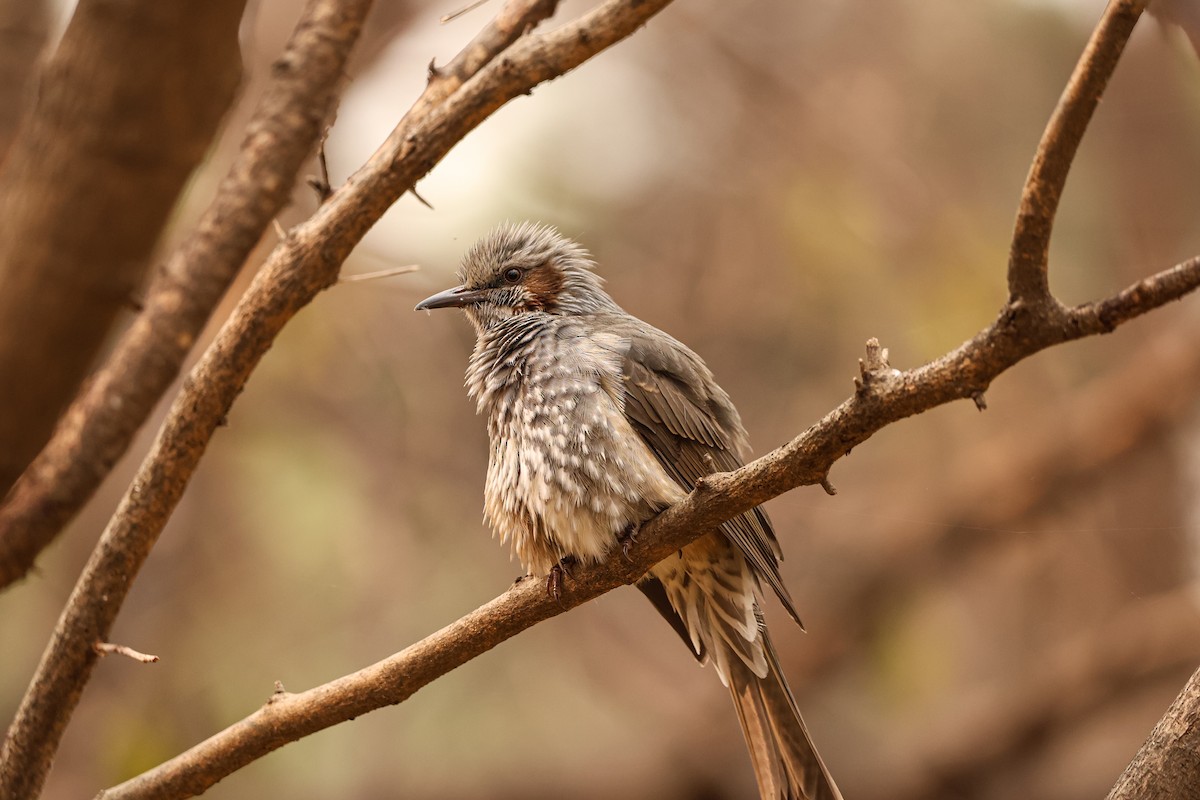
512, 275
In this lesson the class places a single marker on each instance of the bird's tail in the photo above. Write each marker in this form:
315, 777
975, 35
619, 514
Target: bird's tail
707, 593
786, 764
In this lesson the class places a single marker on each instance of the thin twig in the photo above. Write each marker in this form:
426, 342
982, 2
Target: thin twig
1028, 268
319, 183
453, 15
107, 648
383, 273
413, 191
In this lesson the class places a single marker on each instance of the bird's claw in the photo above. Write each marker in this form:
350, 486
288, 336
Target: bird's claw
628, 539
554, 581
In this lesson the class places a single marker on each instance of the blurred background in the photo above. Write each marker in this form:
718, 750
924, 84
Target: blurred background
998, 604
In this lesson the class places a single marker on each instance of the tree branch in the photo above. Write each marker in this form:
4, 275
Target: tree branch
1028, 266
1166, 767
1148, 393
883, 395
307, 262
290, 117
297, 270
126, 109
99, 426
886, 397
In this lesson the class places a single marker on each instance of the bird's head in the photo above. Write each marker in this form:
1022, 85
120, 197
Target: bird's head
523, 269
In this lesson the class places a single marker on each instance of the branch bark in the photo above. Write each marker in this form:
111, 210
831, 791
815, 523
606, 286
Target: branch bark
126, 108
98, 427
1167, 766
504, 62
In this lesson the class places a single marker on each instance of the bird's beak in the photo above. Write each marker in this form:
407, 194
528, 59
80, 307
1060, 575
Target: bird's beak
457, 297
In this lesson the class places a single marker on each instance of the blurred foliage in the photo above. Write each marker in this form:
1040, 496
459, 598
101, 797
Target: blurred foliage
772, 183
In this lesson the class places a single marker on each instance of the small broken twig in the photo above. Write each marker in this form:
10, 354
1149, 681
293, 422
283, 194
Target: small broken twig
383, 273
105, 648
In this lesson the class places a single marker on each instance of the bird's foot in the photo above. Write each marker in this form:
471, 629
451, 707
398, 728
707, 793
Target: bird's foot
628, 539
554, 581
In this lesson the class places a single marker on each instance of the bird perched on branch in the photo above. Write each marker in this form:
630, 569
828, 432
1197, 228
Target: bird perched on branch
597, 422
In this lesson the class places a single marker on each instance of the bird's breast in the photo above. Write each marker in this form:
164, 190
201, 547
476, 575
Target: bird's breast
566, 471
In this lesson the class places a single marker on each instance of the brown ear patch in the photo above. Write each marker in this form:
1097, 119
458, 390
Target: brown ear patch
543, 284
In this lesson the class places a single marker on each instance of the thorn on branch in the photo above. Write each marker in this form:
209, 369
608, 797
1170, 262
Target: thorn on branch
279, 231
320, 183
432, 72
278, 694
980, 401
829, 488
104, 648
422, 200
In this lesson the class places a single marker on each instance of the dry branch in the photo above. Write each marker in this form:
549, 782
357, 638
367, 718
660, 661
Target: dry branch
1167, 767
127, 107
1028, 266
108, 648
284, 129
805, 460
99, 426
503, 62
883, 396
1141, 398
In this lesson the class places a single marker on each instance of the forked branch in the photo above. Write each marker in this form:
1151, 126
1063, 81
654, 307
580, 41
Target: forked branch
883, 396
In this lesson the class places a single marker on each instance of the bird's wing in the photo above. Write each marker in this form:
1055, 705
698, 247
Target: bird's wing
691, 426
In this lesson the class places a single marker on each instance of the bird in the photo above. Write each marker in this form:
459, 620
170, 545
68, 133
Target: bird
597, 421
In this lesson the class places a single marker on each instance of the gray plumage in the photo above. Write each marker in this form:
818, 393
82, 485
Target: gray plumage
598, 421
